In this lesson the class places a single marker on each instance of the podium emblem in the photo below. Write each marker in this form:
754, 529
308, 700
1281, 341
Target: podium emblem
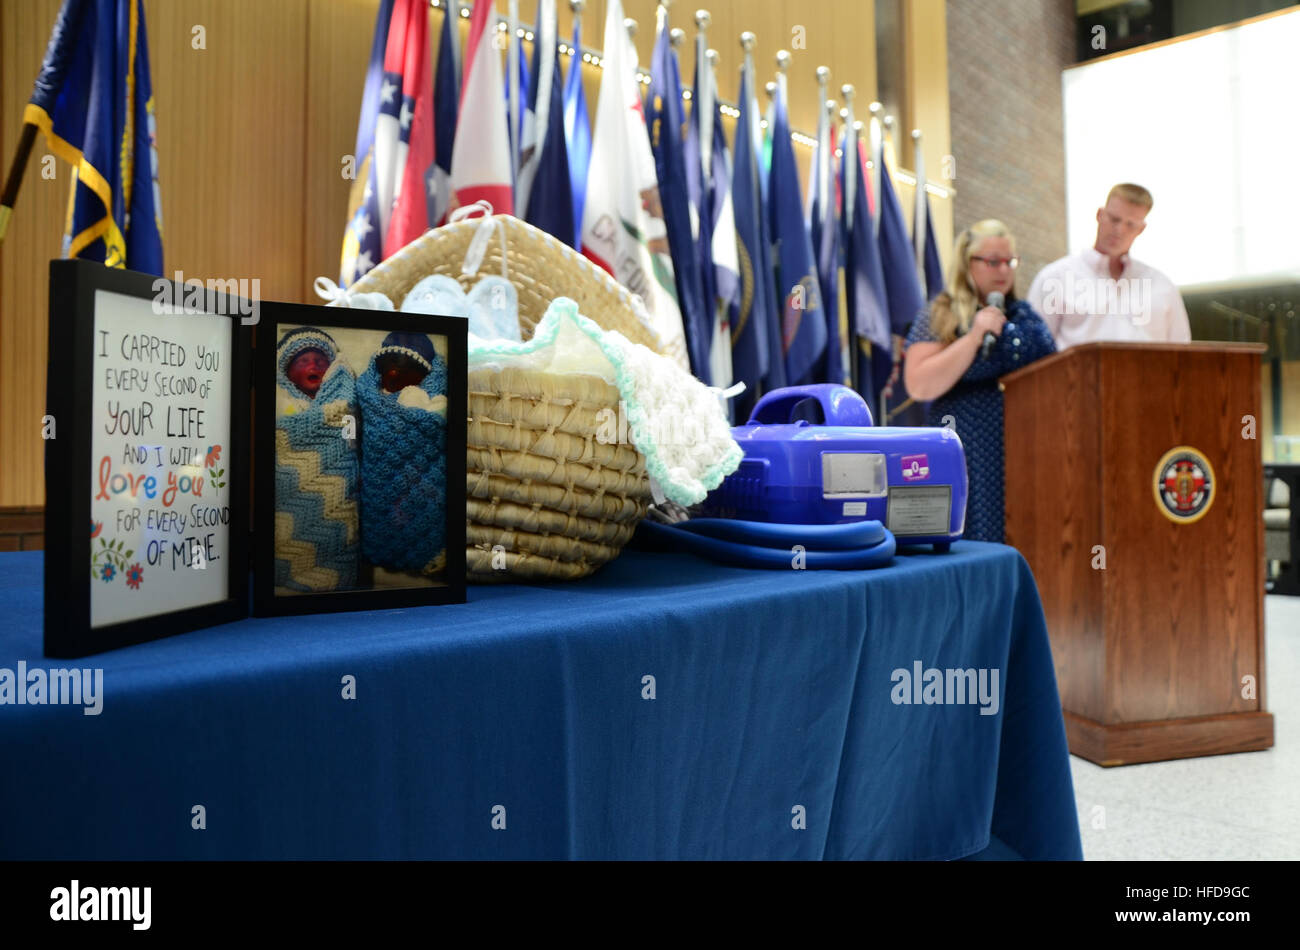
1184, 485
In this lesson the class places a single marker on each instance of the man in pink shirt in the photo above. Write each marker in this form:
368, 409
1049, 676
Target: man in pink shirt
1103, 294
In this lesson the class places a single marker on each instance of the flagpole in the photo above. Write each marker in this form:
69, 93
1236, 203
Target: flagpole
817, 180
15, 179
701, 113
512, 83
876, 149
888, 144
849, 144
457, 57
920, 211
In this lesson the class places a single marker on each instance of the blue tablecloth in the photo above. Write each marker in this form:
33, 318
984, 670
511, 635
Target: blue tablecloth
773, 706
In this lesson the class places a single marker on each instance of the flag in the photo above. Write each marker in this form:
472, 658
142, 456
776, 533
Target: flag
897, 258
864, 278
665, 121
516, 83
413, 166
544, 189
516, 117
623, 229
93, 100
446, 105
928, 268
803, 319
765, 155
754, 332
931, 266
708, 174
577, 130
824, 230
392, 196
480, 161
903, 296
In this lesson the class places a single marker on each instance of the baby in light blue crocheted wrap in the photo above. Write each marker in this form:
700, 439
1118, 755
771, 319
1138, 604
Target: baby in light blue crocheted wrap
316, 465
403, 397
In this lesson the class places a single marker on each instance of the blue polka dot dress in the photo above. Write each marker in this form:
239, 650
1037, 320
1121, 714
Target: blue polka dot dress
973, 407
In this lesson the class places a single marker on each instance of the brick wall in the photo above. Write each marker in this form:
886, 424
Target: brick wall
1004, 84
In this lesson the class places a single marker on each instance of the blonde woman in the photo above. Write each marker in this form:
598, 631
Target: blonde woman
947, 362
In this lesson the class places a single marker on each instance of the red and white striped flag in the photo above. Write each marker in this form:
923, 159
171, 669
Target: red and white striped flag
408, 54
480, 160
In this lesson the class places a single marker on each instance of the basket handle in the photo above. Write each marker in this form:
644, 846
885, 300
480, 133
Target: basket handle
478, 244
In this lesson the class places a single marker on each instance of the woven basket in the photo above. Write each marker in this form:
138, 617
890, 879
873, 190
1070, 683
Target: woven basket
545, 499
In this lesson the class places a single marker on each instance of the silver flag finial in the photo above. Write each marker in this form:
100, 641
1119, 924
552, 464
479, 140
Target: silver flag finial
702, 20
677, 37
783, 60
747, 41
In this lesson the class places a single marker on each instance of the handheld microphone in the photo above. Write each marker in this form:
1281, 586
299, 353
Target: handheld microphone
997, 300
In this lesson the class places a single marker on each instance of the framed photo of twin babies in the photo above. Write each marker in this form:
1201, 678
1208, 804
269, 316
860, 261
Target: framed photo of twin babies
359, 460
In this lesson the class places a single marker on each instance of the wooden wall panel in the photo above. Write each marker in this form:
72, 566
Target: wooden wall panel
34, 235
338, 50
231, 138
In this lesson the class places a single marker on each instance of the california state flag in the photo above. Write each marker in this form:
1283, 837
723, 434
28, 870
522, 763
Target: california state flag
480, 159
622, 221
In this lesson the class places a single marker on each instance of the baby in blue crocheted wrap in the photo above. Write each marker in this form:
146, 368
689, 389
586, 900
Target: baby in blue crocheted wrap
316, 466
403, 397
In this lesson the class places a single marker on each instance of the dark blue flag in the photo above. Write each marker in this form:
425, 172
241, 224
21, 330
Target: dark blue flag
904, 299
933, 268
755, 328
664, 119
516, 132
803, 320
93, 99
544, 181
446, 107
864, 282
577, 132
363, 236
825, 227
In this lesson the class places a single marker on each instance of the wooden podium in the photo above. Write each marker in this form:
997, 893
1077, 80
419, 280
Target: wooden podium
1134, 489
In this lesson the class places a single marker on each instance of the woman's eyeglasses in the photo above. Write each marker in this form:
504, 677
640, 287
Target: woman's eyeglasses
997, 262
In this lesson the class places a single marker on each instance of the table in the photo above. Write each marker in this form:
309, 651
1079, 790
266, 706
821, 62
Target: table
772, 731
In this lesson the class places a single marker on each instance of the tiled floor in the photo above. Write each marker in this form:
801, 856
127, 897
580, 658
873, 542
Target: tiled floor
1228, 807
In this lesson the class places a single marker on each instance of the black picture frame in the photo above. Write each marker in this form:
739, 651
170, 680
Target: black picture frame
69, 482
451, 588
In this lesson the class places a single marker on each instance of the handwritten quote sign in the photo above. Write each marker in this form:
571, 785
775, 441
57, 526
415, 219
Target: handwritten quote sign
161, 439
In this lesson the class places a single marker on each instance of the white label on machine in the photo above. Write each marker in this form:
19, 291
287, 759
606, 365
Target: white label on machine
918, 510
856, 474
858, 508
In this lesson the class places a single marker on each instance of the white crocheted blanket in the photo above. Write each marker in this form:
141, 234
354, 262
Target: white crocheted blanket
675, 421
